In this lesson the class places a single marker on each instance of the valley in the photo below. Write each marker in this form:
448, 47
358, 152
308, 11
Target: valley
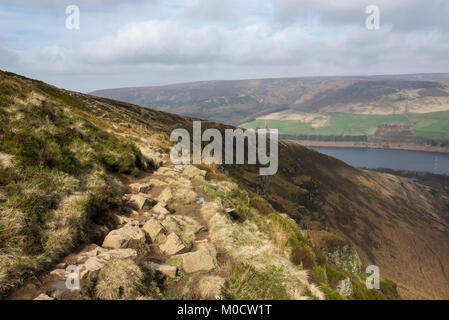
69, 165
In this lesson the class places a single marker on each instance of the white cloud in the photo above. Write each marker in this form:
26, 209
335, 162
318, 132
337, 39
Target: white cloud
176, 49
51, 4
405, 15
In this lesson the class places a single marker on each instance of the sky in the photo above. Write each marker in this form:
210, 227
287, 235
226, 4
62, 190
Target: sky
156, 42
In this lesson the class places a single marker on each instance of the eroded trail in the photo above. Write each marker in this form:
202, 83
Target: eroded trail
162, 228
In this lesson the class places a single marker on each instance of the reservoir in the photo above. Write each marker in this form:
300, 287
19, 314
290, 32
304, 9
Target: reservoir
391, 159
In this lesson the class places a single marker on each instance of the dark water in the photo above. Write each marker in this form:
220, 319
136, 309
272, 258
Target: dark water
392, 159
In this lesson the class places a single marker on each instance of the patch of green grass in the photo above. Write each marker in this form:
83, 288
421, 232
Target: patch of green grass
428, 125
431, 125
340, 124
330, 293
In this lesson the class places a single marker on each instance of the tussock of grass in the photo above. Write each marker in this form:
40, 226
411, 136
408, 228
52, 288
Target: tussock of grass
120, 279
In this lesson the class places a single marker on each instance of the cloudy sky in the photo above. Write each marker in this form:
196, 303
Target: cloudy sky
155, 42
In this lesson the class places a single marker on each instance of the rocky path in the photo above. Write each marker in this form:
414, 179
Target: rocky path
163, 230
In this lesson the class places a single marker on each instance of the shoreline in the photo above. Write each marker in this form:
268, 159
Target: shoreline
371, 145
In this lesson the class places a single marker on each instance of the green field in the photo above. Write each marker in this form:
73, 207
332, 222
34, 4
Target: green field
429, 125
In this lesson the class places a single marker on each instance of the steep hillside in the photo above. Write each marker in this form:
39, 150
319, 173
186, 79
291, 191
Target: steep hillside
87, 181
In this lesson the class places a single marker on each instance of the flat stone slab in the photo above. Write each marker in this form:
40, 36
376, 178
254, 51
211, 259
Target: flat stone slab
154, 229
173, 245
126, 237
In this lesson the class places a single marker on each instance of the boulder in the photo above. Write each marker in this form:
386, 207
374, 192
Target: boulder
165, 196
154, 158
154, 229
173, 245
140, 187
121, 220
171, 224
201, 260
126, 237
160, 209
43, 296
189, 224
344, 255
93, 252
169, 271
165, 171
344, 287
140, 201
93, 265
157, 183
121, 253
59, 273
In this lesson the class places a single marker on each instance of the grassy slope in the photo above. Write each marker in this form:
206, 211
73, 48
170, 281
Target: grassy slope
310, 187
430, 125
382, 214
65, 155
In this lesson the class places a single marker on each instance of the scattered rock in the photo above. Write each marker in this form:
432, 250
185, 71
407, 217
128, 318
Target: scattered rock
59, 273
160, 209
93, 265
178, 167
165, 196
121, 220
201, 260
93, 252
140, 201
344, 255
140, 187
43, 296
153, 157
173, 245
169, 271
171, 224
164, 171
155, 230
126, 237
344, 287
189, 225
157, 183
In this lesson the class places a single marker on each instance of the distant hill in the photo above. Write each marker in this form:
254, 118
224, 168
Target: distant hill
240, 101
416, 106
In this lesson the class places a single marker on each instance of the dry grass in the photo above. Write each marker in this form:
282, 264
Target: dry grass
120, 279
280, 237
